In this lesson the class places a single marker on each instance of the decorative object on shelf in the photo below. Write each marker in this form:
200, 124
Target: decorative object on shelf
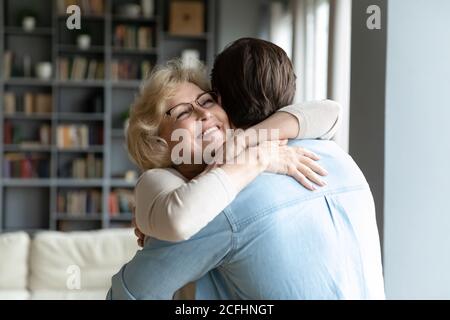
186, 17
44, 70
27, 19
190, 57
29, 23
148, 8
130, 176
84, 41
129, 10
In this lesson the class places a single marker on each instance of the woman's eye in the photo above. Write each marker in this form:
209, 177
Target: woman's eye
183, 115
208, 103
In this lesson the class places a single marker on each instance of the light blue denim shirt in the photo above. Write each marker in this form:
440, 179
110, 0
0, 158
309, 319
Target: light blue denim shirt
277, 240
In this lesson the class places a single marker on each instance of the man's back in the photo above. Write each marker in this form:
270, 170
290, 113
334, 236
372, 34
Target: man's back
290, 243
275, 241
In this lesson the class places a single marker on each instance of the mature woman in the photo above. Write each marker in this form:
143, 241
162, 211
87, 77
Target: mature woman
174, 199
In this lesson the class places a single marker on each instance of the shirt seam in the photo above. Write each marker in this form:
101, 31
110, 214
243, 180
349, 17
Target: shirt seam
291, 202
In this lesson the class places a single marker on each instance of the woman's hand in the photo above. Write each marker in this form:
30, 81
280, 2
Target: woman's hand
140, 236
296, 162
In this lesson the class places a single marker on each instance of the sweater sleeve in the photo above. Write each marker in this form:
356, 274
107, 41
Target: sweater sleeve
316, 119
170, 208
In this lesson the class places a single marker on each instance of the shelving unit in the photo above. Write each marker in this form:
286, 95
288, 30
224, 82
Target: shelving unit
32, 203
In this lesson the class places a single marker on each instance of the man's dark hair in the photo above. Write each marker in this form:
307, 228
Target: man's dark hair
254, 78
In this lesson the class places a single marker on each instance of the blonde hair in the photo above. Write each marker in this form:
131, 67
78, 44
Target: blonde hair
145, 147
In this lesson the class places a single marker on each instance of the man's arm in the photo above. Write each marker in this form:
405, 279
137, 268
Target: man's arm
161, 268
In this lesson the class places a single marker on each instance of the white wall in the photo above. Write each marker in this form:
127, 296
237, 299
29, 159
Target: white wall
237, 19
417, 155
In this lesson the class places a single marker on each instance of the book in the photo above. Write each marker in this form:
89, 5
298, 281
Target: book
9, 102
43, 103
28, 103
7, 64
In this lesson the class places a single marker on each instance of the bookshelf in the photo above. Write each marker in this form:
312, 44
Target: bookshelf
63, 160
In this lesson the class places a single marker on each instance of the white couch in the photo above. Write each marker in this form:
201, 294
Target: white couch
57, 265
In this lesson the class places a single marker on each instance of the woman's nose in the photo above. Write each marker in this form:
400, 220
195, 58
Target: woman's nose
202, 114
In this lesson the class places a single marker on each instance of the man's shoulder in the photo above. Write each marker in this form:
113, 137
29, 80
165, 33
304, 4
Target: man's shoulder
269, 192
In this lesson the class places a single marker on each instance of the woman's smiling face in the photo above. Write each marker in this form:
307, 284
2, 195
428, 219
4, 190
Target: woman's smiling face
197, 117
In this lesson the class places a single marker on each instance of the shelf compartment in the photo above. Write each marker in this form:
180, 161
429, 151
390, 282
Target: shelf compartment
68, 48
80, 116
18, 31
122, 183
30, 183
79, 183
26, 148
134, 51
23, 81
81, 217
25, 116
91, 149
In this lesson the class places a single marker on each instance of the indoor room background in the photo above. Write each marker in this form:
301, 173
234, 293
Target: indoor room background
65, 96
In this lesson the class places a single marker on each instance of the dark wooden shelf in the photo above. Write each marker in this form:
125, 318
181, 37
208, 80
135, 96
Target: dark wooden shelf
187, 37
32, 116
89, 17
134, 51
90, 149
122, 183
80, 83
34, 182
78, 217
18, 31
72, 182
69, 48
132, 84
26, 148
121, 217
19, 81
80, 116
137, 20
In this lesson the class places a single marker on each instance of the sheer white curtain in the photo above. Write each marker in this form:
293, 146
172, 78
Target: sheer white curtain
316, 34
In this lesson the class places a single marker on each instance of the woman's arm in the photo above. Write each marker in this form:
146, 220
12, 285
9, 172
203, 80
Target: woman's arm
315, 120
310, 120
172, 209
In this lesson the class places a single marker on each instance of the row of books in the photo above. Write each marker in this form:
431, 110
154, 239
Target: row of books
80, 68
78, 136
20, 165
89, 167
126, 69
29, 103
120, 201
88, 7
14, 134
132, 37
79, 203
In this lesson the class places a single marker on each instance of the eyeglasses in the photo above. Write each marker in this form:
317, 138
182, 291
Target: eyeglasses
183, 111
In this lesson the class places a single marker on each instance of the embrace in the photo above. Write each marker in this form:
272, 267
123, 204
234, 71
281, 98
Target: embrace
278, 211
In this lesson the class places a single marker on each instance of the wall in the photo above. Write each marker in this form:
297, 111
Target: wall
417, 158
238, 19
367, 92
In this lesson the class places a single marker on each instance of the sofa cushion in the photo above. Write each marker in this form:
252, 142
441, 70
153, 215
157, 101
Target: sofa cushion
14, 248
14, 294
78, 261
69, 294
